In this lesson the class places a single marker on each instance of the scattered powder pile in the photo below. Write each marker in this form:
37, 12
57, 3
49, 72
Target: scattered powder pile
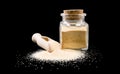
58, 55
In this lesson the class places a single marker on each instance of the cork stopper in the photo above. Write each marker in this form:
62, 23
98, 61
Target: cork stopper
73, 14
73, 11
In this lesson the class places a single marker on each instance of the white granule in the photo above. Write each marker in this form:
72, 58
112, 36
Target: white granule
58, 55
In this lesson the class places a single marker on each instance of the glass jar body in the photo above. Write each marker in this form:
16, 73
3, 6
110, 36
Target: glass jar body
74, 34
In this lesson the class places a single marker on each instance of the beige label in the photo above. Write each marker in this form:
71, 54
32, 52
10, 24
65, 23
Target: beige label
74, 39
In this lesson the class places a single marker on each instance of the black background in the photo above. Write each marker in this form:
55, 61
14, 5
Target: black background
23, 19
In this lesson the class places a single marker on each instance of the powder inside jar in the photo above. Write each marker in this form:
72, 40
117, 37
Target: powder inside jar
73, 37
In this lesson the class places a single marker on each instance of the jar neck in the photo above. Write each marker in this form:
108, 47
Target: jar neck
74, 18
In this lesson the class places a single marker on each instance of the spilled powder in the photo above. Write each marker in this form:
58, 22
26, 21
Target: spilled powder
58, 55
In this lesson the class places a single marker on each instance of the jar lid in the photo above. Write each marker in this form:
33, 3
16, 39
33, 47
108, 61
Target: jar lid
73, 11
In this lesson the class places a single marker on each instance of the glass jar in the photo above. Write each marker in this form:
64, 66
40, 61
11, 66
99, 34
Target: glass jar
73, 30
